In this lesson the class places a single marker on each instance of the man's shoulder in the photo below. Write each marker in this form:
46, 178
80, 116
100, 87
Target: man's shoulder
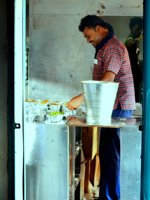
114, 43
129, 39
114, 40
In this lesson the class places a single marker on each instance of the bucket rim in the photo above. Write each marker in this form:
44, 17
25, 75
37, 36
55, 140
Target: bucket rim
98, 82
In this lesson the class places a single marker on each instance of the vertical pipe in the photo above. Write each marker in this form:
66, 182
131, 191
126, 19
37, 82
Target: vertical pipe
18, 99
145, 173
23, 89
10, 100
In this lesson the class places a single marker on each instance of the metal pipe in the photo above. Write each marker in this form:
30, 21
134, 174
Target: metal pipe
145, 172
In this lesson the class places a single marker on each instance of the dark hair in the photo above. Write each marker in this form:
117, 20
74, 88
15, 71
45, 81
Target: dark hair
91, 21
134, 21
109, 27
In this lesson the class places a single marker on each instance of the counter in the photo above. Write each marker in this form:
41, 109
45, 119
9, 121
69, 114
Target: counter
130, 151
50, 158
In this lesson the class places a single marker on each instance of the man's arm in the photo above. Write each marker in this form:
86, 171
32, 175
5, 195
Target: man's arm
108, 76
75, 102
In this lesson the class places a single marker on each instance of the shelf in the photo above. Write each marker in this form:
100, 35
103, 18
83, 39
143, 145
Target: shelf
116, 122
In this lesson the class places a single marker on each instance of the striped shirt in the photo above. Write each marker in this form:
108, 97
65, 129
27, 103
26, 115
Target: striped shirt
112, 55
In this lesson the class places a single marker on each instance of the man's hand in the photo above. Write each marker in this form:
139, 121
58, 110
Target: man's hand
75, 102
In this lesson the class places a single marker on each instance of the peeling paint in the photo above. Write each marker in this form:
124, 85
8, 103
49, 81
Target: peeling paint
102, 6
99, 12
121, 6
136, 6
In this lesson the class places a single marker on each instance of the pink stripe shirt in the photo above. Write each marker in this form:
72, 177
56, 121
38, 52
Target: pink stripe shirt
113, 56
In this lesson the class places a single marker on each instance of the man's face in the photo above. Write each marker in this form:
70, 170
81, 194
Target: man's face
137, 30
92, 36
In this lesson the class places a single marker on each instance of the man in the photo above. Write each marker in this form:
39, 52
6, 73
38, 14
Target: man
131, 42
111, 64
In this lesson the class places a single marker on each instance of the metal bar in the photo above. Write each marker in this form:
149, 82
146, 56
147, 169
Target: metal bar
72, 163
10, 99
145, 172
23, 89
19, 49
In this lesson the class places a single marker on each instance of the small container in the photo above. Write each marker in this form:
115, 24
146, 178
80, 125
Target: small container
40, 118
31, 112
64, 108
42, 115
30, 118
43, 108
55, 106
55, 118
30, 103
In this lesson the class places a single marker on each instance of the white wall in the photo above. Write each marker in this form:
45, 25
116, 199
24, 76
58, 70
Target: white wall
3, 103
59, 55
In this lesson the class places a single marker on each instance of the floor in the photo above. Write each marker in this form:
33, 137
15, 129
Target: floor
92, 195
